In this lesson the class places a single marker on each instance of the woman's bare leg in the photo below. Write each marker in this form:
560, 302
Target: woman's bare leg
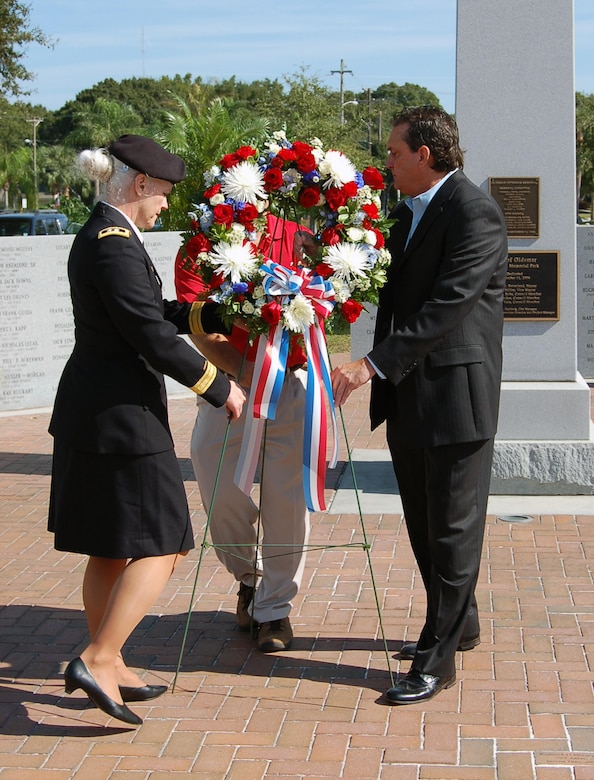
131, 595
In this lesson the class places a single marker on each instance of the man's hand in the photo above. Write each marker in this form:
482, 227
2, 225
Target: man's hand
235, 401
349, 377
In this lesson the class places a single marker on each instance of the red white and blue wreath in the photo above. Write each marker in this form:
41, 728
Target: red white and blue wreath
334, 278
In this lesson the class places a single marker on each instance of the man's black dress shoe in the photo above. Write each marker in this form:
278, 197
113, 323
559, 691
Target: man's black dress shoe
417, 686
408, 649
144, 693
76, 675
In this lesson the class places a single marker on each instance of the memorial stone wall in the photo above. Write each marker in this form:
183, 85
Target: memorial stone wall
36, 327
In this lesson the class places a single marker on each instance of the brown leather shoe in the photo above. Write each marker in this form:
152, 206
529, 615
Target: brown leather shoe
275, 635
408, 649
245, 596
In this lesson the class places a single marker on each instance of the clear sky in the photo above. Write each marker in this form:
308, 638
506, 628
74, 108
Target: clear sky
379, 41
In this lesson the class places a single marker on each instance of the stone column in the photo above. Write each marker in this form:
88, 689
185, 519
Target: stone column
515, 106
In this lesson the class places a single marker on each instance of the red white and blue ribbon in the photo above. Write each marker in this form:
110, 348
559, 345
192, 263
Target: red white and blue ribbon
270, 368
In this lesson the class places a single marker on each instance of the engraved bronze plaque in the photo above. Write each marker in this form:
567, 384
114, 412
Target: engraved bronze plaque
532, 286
518, 198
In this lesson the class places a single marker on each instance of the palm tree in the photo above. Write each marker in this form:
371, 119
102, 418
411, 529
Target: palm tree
201, 135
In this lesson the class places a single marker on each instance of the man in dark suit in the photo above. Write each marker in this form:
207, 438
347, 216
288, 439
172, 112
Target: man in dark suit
436, 371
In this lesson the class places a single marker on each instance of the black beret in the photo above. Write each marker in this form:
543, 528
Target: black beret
147, 156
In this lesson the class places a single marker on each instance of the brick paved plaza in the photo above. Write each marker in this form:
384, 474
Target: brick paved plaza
523, 706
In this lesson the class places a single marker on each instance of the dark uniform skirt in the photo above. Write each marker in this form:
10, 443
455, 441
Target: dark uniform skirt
118, 506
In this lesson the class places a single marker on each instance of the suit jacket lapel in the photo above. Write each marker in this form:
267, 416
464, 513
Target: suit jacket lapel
434, 209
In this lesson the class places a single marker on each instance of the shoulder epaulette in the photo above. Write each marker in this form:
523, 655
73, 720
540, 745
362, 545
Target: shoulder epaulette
115, 230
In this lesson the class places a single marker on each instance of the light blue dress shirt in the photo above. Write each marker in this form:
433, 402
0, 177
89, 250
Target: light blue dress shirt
418, 205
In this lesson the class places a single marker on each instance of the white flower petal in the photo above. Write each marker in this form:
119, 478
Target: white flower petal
298, 314
235, 261
244, 183
338, 168
347, 260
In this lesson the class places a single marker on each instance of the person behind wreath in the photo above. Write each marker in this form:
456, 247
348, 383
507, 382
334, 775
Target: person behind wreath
435, 369
280, 563
117, 493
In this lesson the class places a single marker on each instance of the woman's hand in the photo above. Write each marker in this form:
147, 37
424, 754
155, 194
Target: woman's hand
235, 401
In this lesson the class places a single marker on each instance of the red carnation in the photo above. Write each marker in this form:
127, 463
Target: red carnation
330, 236
198, 244
350, 189
271, 313
309, 197
351, 310
371, 210
276, 162
214, 190
335, 198
380, 240
273, 179
223, 214
373, 178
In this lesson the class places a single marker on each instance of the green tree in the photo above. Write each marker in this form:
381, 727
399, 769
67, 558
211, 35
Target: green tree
201, 135
584, 117
16, 33
100, 122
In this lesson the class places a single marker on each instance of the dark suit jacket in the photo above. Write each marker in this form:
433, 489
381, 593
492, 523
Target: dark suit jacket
440, 320
111, 396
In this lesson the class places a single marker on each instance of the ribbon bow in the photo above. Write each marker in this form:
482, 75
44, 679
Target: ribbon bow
269, 374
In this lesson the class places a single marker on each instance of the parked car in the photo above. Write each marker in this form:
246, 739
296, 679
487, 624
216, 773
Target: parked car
34, 223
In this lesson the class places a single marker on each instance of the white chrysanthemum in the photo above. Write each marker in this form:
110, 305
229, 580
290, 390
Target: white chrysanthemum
244, 183
234, 261
347, 260
338, 168
298, 315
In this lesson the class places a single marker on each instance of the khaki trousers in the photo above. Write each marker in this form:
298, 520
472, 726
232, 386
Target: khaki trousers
284, 522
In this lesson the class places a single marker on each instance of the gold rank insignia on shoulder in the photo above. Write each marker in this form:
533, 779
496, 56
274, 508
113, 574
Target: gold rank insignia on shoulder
115, 230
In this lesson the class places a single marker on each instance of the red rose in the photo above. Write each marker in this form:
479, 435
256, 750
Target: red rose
302, 148
306, 162
245, 152
271, 313
247, 215
373, 178
330, 236
229, 160
351, 310
371, 210
309, 197
324, 270
198, 244
287, 155
214, 190
223, 214
273, 179
335, 198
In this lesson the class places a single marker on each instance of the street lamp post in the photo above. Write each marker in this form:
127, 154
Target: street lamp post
35, 121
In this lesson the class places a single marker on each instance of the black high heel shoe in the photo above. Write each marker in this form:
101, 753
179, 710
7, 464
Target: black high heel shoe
144, 693
76, 675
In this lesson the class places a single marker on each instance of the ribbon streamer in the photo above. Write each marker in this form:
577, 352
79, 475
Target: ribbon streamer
269, 373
